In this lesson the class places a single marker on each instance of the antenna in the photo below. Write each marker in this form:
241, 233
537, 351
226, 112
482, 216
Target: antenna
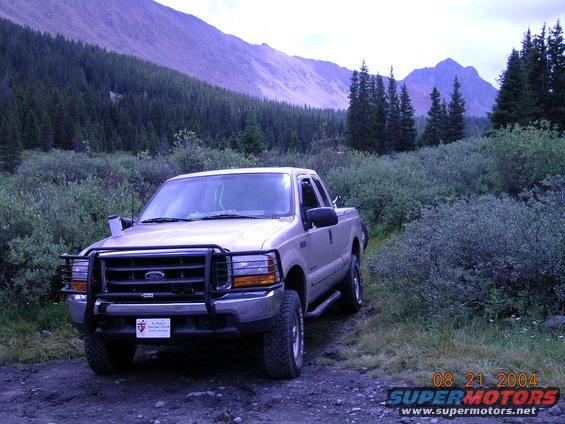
131, 187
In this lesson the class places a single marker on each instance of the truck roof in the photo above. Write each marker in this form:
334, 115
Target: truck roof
275, 170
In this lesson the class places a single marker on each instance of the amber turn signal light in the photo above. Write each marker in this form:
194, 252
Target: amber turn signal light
254, 280
78, 286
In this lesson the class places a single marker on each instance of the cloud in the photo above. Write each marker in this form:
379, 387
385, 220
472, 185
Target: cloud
408, 34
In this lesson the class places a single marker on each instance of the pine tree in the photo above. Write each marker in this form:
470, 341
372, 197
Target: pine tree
46, 136
353, 112
295, 145
364, 101
393, 116
63, 128
456, 114
537, 73
380, 116
31, 132
513, 103
407, 138
526, 45
250, 140
556, 82
445, 128
10, 144
433, 131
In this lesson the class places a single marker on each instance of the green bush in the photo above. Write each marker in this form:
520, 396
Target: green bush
525, 156
486, 255
51, 220
190, 155
391, 190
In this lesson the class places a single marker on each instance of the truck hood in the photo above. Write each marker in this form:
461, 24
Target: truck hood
231, 234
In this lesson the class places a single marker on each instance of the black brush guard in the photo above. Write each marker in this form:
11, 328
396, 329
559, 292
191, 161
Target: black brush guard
210, 252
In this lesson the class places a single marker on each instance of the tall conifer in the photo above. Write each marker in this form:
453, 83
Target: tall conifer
353, 112
380, 116
364, 100
407, 139
10, 144
456, 114
513, 103
393, 116
556, 82
433, 131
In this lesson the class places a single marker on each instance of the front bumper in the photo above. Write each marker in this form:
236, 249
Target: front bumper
208, 309
238, 314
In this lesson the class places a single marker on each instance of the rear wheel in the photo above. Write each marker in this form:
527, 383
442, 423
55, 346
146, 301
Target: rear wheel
351, 288
283, 343
108, 357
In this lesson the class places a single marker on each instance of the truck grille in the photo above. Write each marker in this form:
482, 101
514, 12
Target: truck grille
180, 273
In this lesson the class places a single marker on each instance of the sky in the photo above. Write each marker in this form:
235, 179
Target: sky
406, 34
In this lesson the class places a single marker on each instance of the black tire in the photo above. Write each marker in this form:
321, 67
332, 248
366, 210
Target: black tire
108, 357
351, 288
283, 352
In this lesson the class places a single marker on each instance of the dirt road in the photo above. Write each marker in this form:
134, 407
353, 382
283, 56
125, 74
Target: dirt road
204, 384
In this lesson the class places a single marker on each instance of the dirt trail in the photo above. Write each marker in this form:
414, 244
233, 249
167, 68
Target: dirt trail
216, 382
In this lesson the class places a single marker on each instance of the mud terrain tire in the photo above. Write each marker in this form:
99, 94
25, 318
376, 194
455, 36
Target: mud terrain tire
108, 357
283, 343
351, 288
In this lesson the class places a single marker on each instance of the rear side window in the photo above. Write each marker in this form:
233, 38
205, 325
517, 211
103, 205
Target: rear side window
325, 198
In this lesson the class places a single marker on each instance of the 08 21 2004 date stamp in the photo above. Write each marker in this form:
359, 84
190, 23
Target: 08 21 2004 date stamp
511, 393
477, 379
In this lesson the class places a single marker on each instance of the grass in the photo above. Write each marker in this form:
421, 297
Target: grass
392, 341
37, 334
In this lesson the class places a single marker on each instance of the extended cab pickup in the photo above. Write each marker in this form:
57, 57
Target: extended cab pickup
216, 254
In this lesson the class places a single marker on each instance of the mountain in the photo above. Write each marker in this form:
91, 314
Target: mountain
151, 31
479, 95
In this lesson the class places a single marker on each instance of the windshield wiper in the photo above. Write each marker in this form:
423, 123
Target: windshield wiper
165, 219
231, 216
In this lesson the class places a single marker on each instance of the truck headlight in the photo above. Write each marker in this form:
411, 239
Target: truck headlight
79, 275
254, 270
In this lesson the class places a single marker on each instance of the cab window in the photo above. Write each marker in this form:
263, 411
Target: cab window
309, 199
325, 198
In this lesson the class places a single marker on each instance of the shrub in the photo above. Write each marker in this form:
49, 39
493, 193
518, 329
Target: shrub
41, 224
190, 155
525, 156
391, 190
481, 255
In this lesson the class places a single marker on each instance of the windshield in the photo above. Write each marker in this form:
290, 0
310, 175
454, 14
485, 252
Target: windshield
222, 197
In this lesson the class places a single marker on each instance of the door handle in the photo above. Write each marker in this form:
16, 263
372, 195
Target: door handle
331, 237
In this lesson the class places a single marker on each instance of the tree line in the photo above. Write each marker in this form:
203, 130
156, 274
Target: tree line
532, 87
381, 120
56, 93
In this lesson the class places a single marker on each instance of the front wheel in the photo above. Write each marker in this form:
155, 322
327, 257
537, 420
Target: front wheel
283, 343
108, 357
351, 288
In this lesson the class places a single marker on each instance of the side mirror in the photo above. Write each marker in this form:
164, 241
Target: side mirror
321, 217
127, 223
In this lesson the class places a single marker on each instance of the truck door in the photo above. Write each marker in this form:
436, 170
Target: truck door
338, 232
316, 243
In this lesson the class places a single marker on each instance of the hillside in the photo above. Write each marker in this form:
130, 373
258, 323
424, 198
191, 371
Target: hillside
148, 30
479, 95
59, 93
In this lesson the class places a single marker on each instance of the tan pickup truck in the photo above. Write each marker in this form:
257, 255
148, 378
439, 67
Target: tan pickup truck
218, 254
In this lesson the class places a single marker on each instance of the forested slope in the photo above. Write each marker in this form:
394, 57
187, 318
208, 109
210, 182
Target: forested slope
64, 94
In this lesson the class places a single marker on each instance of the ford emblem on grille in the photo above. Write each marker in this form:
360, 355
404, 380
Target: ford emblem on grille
154, 275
